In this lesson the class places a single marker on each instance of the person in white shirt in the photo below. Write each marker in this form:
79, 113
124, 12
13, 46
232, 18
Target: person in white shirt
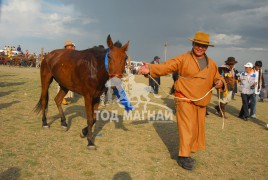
258, 71
247, 83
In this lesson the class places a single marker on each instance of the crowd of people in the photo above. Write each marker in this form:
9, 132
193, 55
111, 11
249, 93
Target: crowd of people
251, 82
12, 56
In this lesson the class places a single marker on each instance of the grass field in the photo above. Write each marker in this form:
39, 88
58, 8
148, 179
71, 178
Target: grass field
126, 149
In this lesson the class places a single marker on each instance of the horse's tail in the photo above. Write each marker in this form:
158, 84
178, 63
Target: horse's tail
38, 107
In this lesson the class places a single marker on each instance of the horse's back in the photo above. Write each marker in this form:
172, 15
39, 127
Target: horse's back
77, 70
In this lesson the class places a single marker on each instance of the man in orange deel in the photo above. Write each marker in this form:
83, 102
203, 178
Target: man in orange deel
197, 74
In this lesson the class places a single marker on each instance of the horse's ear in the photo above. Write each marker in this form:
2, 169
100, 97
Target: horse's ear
110, 42
125, 47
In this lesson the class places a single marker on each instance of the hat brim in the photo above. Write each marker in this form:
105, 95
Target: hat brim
69, 45
200, 42
230, 63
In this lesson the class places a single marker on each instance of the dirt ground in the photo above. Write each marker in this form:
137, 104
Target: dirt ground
137, 148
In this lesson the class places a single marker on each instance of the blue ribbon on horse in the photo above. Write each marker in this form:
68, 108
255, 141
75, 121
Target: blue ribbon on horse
121, 95
119, 91
106, 60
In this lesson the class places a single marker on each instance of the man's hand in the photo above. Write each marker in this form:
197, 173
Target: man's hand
144, 69
218, 84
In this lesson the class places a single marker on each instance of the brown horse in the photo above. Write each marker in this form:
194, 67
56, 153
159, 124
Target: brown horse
82, 72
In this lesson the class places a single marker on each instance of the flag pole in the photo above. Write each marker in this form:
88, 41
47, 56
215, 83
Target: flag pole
165, 51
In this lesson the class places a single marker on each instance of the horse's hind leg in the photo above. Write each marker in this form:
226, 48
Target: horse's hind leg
58, 100
46, 79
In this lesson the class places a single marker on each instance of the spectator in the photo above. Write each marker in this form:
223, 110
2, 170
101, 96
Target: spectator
258, 72
175, 78
235, 84
9, 52
26, 54
67, 99
152, 83
264, 91
265, 79
247, 83
19, 48
227, 71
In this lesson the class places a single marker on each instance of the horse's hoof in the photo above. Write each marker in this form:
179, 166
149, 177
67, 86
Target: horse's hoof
82, 135
91, 147
45, 125
65, 127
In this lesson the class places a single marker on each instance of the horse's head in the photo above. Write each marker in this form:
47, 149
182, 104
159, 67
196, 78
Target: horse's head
116, 58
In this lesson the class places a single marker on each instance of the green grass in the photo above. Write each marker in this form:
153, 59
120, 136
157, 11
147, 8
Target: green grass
136, 149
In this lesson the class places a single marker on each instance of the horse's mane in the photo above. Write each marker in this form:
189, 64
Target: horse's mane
118, 44
101, 47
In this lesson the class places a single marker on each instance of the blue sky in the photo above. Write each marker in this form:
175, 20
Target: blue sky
237, 27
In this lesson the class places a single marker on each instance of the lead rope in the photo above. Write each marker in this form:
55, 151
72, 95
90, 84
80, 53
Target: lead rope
222, 115
194, 100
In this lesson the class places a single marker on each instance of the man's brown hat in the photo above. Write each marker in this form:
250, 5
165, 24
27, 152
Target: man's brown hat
201, 38
230, 61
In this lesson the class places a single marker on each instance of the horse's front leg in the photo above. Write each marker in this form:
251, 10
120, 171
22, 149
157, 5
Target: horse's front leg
90, 122
95, 105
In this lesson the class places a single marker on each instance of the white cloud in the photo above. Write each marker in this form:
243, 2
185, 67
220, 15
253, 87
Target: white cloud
250, 17
37, 18
247, 49
258, 49
224, 39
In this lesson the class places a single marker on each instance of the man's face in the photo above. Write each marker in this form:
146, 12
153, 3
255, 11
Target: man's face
248, 69
157, 60
231, 66
257, 68
199, 49
70, 47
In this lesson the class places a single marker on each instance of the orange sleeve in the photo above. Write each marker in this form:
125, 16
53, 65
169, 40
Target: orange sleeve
164, 68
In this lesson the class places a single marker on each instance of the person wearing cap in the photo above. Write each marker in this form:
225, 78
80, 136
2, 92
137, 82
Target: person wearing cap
258, 72
229, 76
197, 75
248, 81
68, 45
152, 83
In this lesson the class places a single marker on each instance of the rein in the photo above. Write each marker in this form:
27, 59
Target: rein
106, 63
193, 100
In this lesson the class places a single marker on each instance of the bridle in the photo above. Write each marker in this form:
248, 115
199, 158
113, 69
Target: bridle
106, 63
